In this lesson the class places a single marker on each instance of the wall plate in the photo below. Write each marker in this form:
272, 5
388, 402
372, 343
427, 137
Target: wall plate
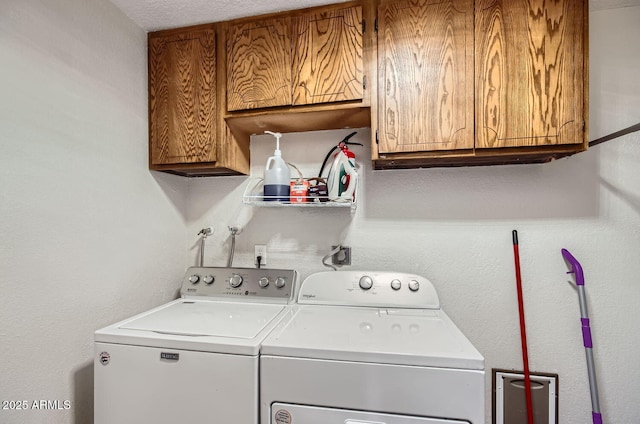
342, 257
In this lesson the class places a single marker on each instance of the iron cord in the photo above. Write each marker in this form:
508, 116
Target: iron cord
344, 141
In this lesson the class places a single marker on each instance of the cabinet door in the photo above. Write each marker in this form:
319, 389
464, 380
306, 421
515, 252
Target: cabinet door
426, 86
530, 72
259, 64
182, 98
327, 57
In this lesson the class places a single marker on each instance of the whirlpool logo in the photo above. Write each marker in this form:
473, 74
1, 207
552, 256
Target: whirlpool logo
309, 296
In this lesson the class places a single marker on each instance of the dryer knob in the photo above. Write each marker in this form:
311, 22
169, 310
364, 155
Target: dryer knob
280, 282
263, 282
365, 282
194, 279
396, 284
414, 285
208, 279
235, 280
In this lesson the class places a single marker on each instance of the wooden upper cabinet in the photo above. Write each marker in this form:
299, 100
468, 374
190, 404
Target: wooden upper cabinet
327, 57
426, 99
295, 59
259, 64
182, 98
530, 70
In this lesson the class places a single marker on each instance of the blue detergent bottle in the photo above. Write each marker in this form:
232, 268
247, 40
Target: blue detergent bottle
277, 176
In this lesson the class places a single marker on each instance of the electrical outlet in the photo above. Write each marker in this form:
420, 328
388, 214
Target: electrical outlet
260, 250
342, 257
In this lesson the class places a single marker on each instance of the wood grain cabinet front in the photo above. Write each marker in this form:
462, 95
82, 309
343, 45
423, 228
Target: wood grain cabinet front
182, 97
187, 134
296, 59
530, 73
259, 64
328, 57
425, 51
481, 82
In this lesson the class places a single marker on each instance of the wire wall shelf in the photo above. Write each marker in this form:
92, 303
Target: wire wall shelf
253, 195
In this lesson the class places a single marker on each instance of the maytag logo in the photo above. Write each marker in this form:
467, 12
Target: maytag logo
169, 356
309, 296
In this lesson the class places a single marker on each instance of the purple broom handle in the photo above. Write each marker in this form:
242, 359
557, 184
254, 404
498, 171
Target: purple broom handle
576, 269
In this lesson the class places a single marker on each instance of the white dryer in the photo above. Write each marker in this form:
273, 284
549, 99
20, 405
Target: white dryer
195, 359
369, 347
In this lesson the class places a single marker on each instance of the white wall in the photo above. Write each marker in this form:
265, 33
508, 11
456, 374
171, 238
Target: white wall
454, 226
87, 234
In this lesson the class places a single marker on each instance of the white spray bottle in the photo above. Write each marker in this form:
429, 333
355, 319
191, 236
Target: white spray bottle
277, 176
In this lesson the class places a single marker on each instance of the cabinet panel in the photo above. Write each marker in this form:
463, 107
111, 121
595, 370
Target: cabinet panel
182, 98
328, 57
259, 64
426, 87
530, 74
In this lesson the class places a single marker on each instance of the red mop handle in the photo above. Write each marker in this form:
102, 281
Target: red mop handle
523, 330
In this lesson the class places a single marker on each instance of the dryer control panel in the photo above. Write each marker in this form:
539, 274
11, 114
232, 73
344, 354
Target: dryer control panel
369, 288
243, 284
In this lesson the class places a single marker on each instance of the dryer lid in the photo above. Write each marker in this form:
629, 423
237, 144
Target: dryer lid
420, 337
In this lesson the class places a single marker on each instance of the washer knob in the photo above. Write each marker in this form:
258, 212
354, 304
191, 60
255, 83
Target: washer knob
414, 285
365, 282
194, 279
263, 282
208, 279
280, 282
396, 284
235, 280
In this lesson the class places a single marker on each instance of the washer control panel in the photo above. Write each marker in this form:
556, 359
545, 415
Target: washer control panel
369, 288
275, 285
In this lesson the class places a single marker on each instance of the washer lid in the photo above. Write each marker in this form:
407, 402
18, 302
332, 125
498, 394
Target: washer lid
203, 325
220, 319
420, 337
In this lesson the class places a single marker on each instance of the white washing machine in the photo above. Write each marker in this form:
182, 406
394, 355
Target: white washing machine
195, 359
369, 347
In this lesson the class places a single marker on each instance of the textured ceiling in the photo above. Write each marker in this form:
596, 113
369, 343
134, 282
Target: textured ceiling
153, 15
